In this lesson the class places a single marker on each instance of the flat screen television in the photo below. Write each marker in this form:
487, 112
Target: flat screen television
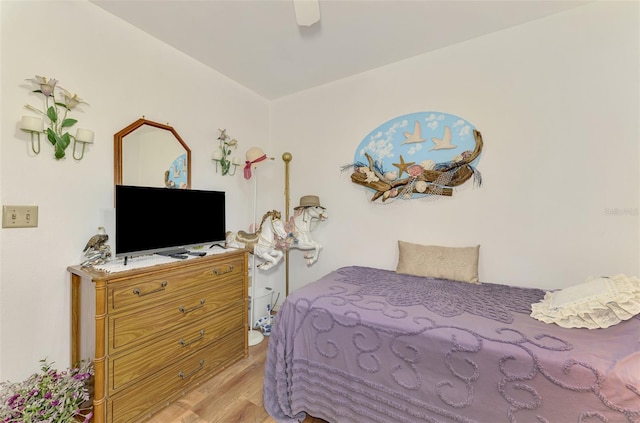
153, 220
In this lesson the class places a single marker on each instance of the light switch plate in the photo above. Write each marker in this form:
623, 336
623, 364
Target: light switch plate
19, 216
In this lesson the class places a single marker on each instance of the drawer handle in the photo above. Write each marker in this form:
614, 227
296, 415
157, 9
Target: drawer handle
224, 271
183, 376
189, 310
140, 294
184, 343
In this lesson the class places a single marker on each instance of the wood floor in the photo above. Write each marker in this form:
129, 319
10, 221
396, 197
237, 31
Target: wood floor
235, 395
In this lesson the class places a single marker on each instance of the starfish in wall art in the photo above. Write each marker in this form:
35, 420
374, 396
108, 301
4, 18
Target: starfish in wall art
402, 166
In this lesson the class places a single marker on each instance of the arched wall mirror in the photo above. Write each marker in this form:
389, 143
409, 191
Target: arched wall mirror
148, 153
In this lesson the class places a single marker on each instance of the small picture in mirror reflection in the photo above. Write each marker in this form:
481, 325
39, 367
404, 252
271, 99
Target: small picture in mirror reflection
176, 176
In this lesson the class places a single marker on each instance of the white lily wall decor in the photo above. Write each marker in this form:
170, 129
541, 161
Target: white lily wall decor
221, 155
58, 102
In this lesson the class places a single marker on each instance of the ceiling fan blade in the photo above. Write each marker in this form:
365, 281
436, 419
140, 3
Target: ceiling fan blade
307, 12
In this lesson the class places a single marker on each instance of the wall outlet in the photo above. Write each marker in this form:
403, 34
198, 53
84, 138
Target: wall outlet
19, 216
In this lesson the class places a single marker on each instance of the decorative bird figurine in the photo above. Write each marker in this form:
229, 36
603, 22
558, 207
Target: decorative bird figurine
97, 241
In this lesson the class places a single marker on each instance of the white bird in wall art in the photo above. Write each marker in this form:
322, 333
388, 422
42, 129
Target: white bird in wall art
415, 137
445, 142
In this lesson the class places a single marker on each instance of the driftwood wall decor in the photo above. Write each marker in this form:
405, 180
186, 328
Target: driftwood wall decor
417, 155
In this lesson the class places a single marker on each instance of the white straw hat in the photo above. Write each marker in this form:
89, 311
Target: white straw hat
255, 153
254, 156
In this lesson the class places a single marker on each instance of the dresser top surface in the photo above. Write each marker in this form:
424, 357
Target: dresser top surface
152, 266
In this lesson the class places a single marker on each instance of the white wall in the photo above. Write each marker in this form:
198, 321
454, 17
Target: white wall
557, 103
123, 74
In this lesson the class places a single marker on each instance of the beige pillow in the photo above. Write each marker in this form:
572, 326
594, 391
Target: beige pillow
597, 303
455, 263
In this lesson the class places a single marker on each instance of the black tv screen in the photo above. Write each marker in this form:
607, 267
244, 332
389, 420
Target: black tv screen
165, 220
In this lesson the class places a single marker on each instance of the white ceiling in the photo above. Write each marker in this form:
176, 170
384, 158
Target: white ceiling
258, 44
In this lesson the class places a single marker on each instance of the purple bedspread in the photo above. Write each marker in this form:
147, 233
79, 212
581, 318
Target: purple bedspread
370, 345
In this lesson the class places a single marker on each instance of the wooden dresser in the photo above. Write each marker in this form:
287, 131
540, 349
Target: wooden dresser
156, 332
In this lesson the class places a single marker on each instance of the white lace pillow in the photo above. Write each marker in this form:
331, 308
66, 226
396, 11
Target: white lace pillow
597, 303
455, 263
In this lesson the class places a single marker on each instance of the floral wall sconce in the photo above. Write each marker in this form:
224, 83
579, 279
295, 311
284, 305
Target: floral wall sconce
84, 137
58, 102
227, 167
35, 126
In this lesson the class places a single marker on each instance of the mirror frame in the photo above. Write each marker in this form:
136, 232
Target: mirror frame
118, 139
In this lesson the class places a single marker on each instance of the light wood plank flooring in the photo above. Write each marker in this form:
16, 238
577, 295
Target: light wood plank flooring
235, 395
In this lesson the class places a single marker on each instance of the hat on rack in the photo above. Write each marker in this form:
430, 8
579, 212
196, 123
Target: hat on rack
254, 155
309, 201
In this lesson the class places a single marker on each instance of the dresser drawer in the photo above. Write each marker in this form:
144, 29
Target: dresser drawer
154, 288
128, 367
138, 326
152, 393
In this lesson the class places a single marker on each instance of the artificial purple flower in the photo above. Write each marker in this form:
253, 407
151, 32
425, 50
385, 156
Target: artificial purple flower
13, 398
46, 396
46, 87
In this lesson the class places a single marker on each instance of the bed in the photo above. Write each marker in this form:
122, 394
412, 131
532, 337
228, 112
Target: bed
371, 345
